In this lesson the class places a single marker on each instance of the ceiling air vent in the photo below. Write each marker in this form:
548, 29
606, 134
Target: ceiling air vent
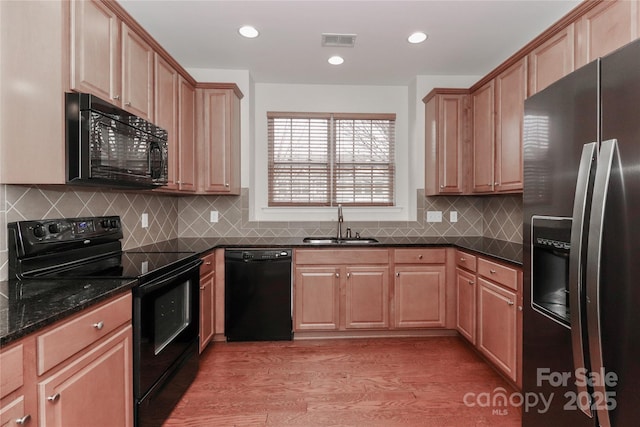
338, 40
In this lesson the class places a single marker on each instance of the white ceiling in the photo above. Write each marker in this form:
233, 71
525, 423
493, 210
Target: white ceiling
465, 37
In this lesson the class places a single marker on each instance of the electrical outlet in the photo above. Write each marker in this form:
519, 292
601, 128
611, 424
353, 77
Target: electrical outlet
434, 216
453, 216
145, 220
213, 216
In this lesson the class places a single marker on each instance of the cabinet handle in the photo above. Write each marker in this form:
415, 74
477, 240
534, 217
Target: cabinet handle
519, 308
24, 419
397, 274
463, 259
496, 183
202, 288
420, 256
226, 184
510, 302
471, 282
337, 274
128, 104
54, 398
116, 97
207, 263
99, 325
348, 275
492, 271
441, 186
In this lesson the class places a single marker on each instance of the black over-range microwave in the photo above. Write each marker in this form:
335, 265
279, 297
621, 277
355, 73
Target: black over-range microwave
108, 146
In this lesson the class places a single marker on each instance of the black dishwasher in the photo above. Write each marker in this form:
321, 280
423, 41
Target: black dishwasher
258, 295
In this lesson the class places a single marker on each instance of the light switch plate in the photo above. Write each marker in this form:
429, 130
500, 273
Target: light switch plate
453, 216
434, 216
213, 216
145, 220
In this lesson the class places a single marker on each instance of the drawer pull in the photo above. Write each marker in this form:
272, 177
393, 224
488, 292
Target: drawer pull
471, 282
348, 275
492, 271
420, 256
99, 325
337, 274
463, 259
510, 302
54, 398
207, 263
202, 288
23, 420
116, 97
128, 104
398, 274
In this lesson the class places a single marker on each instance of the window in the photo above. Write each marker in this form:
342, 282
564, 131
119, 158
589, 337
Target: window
318, 159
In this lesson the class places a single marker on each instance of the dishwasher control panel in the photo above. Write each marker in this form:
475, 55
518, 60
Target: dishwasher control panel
259, 254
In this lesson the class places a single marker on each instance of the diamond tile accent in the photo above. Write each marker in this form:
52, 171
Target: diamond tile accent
498, 217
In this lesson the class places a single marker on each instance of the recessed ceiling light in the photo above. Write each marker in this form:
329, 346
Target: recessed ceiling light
249, 32
336, 60
417, 37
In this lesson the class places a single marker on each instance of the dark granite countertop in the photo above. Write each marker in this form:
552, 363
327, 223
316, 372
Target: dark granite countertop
19, 317
48, 301
498, 249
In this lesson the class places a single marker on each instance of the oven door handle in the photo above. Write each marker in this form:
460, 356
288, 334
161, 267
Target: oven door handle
176, 275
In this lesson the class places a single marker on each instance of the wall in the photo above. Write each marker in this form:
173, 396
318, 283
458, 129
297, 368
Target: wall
24, 202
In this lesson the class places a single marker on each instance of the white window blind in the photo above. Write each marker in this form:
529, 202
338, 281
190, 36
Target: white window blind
318, 159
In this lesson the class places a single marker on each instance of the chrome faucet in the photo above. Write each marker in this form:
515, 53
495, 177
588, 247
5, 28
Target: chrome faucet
340, 221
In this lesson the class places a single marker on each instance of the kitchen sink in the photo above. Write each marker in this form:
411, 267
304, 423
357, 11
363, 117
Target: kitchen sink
335, 240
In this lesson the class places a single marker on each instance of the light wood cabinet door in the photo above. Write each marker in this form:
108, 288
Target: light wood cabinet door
137, 74
420, 297
552, 60
367, 298
483, 138
605, 28
317, 298
466, 304
444, 143
497, 326
93, 390
186, 127
166, 114
220, 169
207, 299
511, 91
95, 50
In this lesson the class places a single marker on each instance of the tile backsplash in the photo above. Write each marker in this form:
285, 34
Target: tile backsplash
498, 217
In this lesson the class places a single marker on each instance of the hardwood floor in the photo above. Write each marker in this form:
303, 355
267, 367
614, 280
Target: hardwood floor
363, 382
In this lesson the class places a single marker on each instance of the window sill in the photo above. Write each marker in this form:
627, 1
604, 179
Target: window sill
351, 214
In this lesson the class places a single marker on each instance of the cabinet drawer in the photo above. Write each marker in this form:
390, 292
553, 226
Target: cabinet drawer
12, 411
506, 276
208, 264
11, 377
419, 256
72, 336
341, 256
466, 260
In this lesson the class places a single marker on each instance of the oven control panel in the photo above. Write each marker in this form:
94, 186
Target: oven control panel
40, 236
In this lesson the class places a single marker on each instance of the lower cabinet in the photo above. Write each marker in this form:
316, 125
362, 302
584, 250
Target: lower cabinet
317, 299
367, 297
497, 326
466, 304
207, 300
93, 390
419, 297
76, 372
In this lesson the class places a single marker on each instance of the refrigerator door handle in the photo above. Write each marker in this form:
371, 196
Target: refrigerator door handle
587, 163
608, 154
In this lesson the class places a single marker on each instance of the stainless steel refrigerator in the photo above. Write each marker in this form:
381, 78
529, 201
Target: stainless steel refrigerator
581, 320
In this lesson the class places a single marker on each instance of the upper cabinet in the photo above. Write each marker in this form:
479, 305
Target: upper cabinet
605, 28
511, 91
218, 124
95, 50
446, 141
187, 168
166, 113
483, 138
110, 60
498, 109
552, 60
